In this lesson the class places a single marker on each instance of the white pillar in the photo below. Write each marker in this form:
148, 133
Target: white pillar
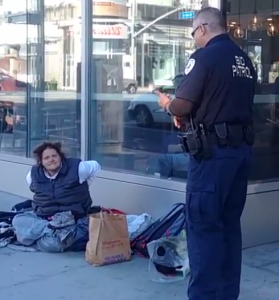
86, 73
215, 3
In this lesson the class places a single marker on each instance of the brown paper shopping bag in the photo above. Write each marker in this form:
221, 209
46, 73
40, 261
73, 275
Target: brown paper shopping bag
108, 239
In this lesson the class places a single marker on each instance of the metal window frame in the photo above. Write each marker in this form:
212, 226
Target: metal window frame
86, 74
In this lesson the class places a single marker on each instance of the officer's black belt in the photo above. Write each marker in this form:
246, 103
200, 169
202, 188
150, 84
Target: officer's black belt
230, 135
198, 142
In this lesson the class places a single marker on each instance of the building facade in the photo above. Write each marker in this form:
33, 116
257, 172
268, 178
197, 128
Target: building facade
82, 72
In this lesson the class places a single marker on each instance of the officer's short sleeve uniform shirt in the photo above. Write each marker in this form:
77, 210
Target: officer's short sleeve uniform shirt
220, 80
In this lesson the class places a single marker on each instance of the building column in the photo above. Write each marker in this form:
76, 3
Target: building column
86, 76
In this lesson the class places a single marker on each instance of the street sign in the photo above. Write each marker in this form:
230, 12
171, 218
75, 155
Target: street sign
186, 15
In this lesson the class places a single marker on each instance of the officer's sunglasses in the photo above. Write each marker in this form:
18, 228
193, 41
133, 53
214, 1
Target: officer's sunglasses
195, 30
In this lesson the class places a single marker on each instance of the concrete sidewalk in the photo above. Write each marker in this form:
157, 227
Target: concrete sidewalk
67, 276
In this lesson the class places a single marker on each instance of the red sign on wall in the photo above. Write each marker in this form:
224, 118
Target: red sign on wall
110, 31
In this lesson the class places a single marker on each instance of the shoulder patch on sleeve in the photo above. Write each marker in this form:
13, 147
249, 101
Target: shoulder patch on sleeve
190, 66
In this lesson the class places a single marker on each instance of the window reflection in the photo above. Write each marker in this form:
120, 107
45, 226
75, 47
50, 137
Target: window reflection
131, 133
138, 46
263, 51
39, 55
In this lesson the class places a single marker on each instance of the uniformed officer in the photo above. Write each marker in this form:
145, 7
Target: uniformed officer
217, 93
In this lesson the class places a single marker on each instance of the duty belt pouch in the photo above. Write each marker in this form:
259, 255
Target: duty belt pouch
183, 143
206, 150
221, 132
191, 143
249, 135
235, 135
206, 146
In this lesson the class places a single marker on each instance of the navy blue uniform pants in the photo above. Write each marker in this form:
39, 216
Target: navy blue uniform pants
215, 198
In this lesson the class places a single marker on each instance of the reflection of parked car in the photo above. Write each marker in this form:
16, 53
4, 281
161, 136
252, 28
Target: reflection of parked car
130, 86
10, 84
144, 109
163, 82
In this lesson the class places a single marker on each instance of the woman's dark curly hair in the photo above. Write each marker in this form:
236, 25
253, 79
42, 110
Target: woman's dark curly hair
38, 152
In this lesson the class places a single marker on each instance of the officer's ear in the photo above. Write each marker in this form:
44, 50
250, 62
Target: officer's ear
202, 30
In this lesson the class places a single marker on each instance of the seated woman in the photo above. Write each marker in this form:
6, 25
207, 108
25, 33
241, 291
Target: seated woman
61, 201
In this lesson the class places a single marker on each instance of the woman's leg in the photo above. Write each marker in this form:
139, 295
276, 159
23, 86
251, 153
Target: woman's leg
29, 228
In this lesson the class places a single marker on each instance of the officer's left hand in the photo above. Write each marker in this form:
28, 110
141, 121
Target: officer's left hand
180, 123
164, 99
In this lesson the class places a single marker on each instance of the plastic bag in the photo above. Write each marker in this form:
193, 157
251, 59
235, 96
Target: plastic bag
168, 259
137, 224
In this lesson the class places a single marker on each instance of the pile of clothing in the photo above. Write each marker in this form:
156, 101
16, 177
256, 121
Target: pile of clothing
22, 230
7, 234
7, 231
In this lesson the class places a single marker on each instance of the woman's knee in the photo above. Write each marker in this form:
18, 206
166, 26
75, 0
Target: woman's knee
28, 228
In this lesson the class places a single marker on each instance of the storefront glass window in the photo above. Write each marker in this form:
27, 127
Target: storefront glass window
138, 46
253, 25
39, 57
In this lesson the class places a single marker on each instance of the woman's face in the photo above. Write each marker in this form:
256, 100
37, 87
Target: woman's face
51, 160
